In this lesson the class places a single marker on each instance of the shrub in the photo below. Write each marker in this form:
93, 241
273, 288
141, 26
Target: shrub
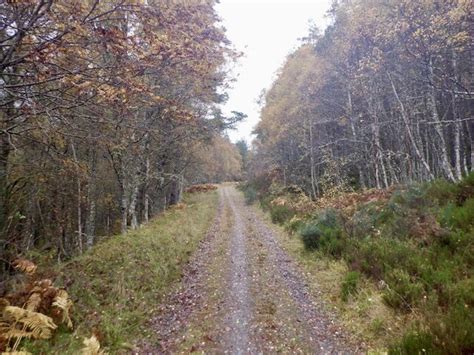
333, 244
414, 197
294, 224
453, 332
449, 333
349, 284
311, 235
250, 194
403, 292
415, 342
466, 188
458, 242
390, 210
462, 292
461, 217
324, 233
265, 202
376, 256
281, 213
363, 221
419, 243
329, 218
395, 220
442, 191
468, 180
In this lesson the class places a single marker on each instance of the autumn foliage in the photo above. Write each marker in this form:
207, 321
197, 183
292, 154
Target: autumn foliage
34, 311
102, 106
383, 97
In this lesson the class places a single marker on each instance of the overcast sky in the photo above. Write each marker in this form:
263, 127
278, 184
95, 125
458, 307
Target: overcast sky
266, 32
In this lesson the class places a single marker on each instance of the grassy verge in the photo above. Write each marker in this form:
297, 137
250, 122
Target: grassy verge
118, 285
398, 264
204, 330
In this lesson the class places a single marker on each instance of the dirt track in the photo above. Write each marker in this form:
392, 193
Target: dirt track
243, 294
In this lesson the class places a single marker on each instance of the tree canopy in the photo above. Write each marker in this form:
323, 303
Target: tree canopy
102, 104
383, 97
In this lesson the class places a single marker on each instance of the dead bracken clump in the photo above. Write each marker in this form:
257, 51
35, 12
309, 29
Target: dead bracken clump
201, 188
33, 312
350, 200
179, 206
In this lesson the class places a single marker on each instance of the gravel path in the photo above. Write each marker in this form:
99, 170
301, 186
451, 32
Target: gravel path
243, 294
239, 305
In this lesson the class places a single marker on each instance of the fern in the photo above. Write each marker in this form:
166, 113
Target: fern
25, 266
33, 324
92, 346
3, 303
28, 316
33, 302
64, 304
9, 331
44, 284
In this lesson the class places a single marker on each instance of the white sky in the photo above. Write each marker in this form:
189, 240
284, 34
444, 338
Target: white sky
266, 31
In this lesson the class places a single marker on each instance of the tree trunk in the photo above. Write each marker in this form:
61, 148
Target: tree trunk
445, 165
124, 211
457, 142
311, 158
79, 200
406, 121
471, 134
378, 148
147, 177
457, 125
133, 205
91, 198
175, 191
393, 175
4, 154
146, 202
350, 113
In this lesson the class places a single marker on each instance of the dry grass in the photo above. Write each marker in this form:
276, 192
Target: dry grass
201, 188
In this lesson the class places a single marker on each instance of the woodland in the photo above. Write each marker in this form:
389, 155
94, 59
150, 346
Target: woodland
365, 150
383, 97
108, 108
122, 196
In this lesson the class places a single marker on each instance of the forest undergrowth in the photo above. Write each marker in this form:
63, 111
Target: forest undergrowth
114, 288
397, 262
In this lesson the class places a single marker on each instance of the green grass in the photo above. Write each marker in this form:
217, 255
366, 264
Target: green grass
350, 285
118, 285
